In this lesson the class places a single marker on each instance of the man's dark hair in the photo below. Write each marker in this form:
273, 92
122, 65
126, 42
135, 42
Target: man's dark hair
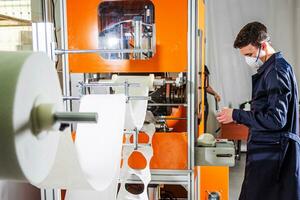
253, 33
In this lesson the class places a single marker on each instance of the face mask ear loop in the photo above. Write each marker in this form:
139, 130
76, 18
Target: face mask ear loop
258, 53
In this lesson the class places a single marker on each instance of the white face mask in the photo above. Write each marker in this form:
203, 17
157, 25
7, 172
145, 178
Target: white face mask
255, 62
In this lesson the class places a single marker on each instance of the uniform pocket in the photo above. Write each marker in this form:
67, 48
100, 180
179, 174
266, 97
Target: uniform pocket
258, 142
265, 147
266, 138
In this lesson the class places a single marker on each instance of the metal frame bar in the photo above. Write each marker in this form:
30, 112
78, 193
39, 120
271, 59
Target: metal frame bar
167, 104
129, 98
156, 82
126, 86
71, 98
170, 177
108, 84
65, 58
84, 51
192, 90
55, 194
65, 67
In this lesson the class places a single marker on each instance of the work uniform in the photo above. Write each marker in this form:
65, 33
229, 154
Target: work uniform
273, 148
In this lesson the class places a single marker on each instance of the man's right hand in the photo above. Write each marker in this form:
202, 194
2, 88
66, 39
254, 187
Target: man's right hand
225, 116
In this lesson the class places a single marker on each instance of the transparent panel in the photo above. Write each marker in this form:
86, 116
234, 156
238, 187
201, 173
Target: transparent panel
126, 26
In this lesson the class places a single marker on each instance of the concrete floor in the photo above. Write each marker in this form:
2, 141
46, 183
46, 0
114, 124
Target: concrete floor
236, 178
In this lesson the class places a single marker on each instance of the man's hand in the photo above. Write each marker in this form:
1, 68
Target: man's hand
225, 116
217, 97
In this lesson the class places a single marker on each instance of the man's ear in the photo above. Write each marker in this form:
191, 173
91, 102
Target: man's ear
263, 46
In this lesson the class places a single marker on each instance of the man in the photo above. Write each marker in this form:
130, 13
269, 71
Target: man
273, 159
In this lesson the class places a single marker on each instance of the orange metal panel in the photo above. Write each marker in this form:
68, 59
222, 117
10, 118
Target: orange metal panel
178, 125
137, 161
169, 152
214, 179
201, 58
171, 39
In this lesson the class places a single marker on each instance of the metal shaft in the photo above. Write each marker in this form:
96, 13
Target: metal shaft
139, 98
71, 98
171, 118
167, 104
75, 51
80, 117
108, 84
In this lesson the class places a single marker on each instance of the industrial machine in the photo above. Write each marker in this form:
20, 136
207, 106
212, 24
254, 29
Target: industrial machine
100, 38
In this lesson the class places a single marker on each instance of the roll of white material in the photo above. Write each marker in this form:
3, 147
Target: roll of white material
108, 194
93, 162
128, 173
49, 158
27, 79
135, 109
90, 195
99, 146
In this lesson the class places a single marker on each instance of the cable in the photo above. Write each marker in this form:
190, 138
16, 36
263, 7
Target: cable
55, 32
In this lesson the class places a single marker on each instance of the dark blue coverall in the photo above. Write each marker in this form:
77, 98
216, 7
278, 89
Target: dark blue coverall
273, 148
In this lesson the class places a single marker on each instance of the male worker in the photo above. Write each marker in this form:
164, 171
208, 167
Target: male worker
273, 148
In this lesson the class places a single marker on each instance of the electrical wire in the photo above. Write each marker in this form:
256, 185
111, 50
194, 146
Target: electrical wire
55, 29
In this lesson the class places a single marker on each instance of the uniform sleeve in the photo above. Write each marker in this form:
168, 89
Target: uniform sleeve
274, 117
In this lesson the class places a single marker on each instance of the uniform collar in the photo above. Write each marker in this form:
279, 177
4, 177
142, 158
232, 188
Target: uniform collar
269, 62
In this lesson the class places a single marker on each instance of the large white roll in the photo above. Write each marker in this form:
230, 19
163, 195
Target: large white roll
135, 109
27, 79
49, 158
93, 162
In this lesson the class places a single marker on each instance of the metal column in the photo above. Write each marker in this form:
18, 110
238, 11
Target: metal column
64, 57
55, 194
192, 90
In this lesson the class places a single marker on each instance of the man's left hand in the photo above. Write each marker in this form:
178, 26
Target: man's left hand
217, 97
225, 116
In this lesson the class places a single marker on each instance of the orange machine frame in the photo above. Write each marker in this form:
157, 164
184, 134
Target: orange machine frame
171, 21
171, 56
